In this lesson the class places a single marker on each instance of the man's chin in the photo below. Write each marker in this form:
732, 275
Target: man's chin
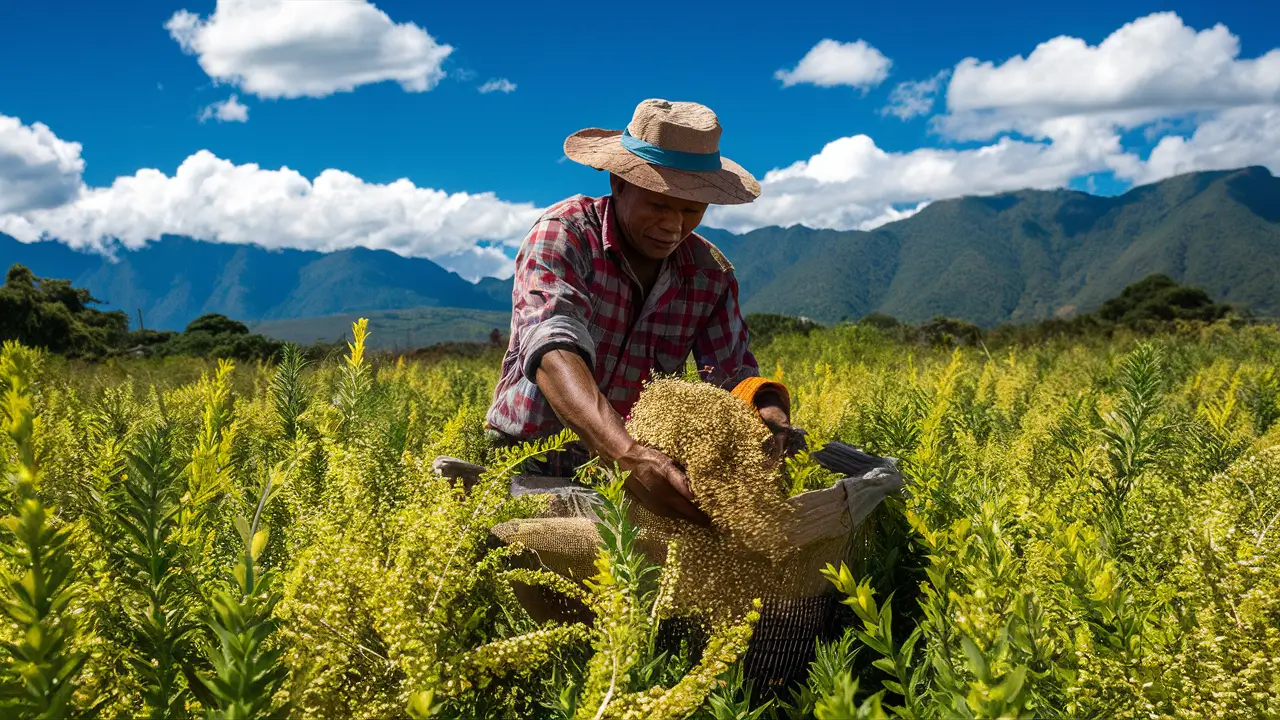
658, 250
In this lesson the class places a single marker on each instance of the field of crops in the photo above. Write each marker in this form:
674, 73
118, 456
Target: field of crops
1090, 529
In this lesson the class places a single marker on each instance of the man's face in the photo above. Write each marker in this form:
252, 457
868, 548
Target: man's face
652, 223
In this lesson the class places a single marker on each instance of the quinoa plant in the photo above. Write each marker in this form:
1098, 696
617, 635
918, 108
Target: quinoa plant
289, 392
247, 670
150, 562
1088, 529
630, 599
41, 661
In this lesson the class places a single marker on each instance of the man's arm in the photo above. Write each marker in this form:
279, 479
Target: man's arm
570, 389
552, 312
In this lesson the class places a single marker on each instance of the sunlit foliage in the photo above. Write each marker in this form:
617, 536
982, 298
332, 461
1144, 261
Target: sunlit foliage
1090, 528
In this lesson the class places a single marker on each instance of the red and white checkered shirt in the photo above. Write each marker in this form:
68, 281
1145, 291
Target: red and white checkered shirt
574, 289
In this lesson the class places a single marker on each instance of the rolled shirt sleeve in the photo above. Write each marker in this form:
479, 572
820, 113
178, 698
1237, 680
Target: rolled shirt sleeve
550, 302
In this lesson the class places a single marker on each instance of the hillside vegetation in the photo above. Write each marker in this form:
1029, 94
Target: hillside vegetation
1152, 305
1011, 258
51, 314
176, 280
1087, 530
1025, 256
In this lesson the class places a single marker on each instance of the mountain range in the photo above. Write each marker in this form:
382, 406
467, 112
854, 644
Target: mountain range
1026, 255
1013, 257
173, 281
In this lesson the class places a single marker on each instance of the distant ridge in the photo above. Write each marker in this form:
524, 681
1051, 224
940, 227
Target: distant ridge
178, 279
1018, 256
1026, 255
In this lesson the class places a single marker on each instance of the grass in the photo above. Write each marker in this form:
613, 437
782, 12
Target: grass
392, 329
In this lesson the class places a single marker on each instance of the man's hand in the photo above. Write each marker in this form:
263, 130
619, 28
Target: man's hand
654, 480
770, 407
660, 485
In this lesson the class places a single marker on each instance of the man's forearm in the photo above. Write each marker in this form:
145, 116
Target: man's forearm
570, 390
653, 479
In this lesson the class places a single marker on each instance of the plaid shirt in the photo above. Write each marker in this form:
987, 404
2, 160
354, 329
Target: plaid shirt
573, 289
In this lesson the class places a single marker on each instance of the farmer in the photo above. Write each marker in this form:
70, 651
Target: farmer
609, 290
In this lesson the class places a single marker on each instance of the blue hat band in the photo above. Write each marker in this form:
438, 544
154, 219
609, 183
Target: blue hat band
675, 159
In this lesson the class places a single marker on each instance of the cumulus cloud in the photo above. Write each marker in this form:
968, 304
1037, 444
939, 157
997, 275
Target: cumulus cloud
853, 184
914, 97
284, 49
502, 85
1235, 138
37, 168
892, 214
213, 199
1153, 67
1044, 120
1038, 122
478, 262
831, 63
229, 110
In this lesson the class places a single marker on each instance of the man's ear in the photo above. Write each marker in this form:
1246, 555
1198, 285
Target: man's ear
616, 184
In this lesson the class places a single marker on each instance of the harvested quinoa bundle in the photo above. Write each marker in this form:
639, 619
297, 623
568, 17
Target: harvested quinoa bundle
720, 442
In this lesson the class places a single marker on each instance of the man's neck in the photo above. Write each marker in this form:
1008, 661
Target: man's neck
645, 269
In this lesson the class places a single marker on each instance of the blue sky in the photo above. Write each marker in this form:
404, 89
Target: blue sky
116, 79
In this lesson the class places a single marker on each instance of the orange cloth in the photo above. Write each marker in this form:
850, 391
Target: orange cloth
749, 388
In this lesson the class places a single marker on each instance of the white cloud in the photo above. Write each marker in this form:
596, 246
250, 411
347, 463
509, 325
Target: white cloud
1072, 104
498, 85
229, 110
854, 184
212, 199
914, 97
37, 169
1153, 67
1046, 119
892, 214
1235, 138
478, 262
831, 63
289, 49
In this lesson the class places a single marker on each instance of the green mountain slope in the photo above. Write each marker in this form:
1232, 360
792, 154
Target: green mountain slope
1026, 255
1016, 257
498, 290
173, 281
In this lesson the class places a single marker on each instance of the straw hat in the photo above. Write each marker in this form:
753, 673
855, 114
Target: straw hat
671, 148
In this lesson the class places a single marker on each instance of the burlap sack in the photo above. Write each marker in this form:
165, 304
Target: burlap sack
825, 528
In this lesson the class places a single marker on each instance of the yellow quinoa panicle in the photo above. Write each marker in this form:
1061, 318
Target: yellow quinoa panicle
720, 441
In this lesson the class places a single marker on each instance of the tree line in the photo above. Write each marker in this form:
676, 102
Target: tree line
52, 314
1153, 304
